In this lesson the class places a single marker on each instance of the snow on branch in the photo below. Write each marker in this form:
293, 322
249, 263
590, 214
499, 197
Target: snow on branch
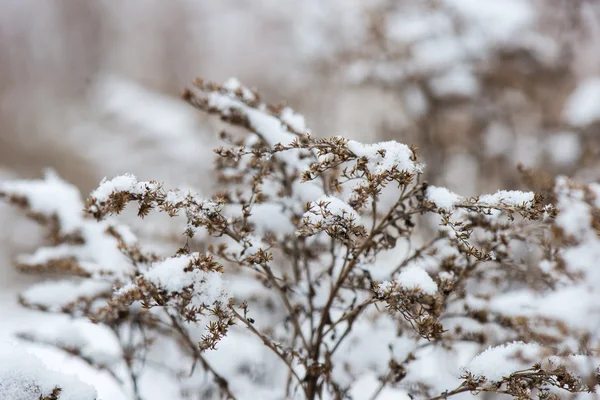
496, 363
80, 246
47, 199
194, 279
112, 196
385, 156
515, 367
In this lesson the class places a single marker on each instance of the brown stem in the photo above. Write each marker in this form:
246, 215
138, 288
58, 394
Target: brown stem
221, 382
269, 343
316, 349
286, 302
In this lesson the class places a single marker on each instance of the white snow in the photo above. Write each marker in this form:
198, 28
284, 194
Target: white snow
24, 377
255, 244
384, 287
232, 84
417, 278
293, 119
397, 155
575, 219
442, 197
175, 198
99, 251
270, 128
498, 362
267, 126
57, 294
170, 274
508, 197
121, 183
410, 278
50, 196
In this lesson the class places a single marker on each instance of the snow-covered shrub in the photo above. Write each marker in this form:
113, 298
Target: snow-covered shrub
308, 274
23, 376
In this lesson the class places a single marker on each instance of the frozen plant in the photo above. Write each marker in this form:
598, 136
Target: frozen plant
308, 276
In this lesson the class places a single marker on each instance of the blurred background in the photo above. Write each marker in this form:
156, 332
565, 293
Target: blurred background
91, 88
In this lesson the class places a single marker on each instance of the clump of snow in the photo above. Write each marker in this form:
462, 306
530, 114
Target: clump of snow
98, 254
384, 287
121, 183
293, 119
508, 198
99, 251
564, 148
45, 254
417, 278
267, 126
234, 85
583, 106
498, 362
24, 377
50, 196
442, 197
174, 275
384, 156
270, 128
175, 198
411, 278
